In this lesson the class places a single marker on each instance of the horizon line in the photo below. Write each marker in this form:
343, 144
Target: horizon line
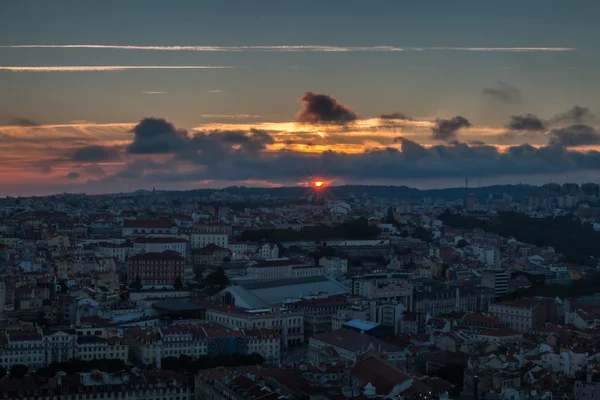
281, 187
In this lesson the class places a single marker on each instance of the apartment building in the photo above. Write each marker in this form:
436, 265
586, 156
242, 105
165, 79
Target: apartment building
199, 240
277, 269
497, 280
334, 266
289, 324
134, 385
200, 339
156, 269
159, 245
526, 313
154, 228
37, 348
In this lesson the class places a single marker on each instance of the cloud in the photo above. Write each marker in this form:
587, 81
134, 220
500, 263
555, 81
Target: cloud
527, 122
154, 92
73, 175
26, 122
95, 153
411, 161
106, 68
214, 91
574, 136
94, 169
322, 108
157, 136
446, 129
395, 115
503, 93
291, 48
576, 114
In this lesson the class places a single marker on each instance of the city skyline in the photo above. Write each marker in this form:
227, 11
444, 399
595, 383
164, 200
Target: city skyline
191, 96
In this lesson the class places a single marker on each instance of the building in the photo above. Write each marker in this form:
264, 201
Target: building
349, 345
435, 300
276, 269
92, 347
268, 294
37, 348
199, 240
526, 313
154, 228
156, 269
120, 251
489, 256
289, 324
318, 313
334, 266
213, 227
135, 385
160, 244
210, 255
497, 280
268, 251
239, 250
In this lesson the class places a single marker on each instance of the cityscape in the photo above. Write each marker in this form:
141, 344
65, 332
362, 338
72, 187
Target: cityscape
316, 200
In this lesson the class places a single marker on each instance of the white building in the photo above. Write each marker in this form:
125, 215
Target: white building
334, 266
160, 244
239, 250
275, 269
268, 251
120, 251
287, 323
199, 240
490, 256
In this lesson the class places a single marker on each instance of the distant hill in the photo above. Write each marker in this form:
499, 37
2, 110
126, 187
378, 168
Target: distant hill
517, 192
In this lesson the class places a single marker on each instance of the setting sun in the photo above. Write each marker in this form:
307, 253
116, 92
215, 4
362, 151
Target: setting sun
318, 183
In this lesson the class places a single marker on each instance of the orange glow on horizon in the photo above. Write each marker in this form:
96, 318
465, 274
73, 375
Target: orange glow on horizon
318, 184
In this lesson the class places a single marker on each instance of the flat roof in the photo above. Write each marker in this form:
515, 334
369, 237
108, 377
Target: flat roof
361, 324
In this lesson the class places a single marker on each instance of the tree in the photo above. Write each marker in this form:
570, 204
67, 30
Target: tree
226, 259
178, 285
137, 283
217, 279
3, 372
462, 243
18, 371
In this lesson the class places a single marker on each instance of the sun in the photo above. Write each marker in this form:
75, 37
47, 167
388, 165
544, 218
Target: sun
318, 184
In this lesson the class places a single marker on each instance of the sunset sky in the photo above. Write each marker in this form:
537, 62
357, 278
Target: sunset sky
114, 95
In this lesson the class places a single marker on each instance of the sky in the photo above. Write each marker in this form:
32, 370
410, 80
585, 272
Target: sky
111, 96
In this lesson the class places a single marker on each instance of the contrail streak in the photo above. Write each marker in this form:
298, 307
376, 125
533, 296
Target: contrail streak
284, 48
101, 68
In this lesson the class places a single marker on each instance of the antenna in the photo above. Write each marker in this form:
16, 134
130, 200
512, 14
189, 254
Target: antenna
466, 183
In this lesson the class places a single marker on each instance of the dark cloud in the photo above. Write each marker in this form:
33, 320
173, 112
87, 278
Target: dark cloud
576, 115
157, 136
396, 115
95, 153
527, 122
94, 169
573, 136
503, 93
73, 175
322, 108
446, 129
476, 143
23, 122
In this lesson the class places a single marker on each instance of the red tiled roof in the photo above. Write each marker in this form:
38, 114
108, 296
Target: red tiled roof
378, 373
